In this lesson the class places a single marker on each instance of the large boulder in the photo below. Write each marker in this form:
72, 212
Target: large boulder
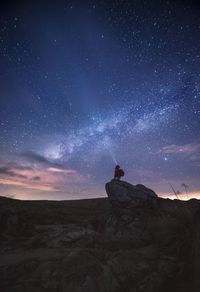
124, 192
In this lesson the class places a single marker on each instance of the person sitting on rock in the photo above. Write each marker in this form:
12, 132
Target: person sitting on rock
118, 172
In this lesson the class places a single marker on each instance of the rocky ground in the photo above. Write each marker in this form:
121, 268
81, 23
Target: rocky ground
140, 243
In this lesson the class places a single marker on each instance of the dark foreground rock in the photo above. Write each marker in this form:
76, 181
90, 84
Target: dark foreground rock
123, 191
95, 245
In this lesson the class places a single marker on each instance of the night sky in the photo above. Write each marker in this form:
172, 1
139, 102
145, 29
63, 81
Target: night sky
88, 84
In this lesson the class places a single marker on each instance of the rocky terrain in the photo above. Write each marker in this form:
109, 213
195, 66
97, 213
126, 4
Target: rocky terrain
131, 241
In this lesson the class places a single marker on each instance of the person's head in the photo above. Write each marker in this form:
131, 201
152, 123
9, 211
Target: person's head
117, 167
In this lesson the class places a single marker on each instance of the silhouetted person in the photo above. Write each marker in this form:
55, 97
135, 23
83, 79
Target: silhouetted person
118, 172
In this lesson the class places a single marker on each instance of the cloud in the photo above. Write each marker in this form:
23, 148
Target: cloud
44, 176
34, 157
64, 171
8, 172
191, 150
36, 178
54, 169
17, 166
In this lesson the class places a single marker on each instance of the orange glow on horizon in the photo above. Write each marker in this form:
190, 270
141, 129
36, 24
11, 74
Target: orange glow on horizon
183, 197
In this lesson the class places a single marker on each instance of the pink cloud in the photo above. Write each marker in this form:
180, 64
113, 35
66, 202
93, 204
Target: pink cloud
191, 150
50, 179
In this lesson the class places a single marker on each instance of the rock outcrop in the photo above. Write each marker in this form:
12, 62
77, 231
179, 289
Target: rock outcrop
95, 245
122, 191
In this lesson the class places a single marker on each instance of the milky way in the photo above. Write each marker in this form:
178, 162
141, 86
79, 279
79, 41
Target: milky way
85, 86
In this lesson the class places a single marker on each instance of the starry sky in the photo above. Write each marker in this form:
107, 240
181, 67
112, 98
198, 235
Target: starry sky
88, 84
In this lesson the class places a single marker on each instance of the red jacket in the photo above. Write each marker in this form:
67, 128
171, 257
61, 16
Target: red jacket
118, 171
